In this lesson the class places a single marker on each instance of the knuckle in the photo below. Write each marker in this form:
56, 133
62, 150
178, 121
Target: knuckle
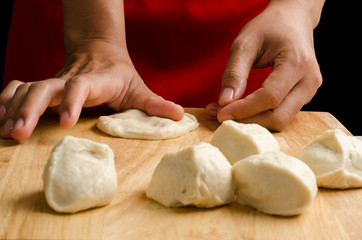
25, 85
15, 82
12, 86
75, 80
80, 85
38, 85
273, 98
302, 58
233, 73
317, 81
244, 45
243, 42
79, 82
22, 88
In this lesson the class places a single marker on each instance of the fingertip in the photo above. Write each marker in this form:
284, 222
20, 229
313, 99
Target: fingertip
6, 128
177, 113
226, 113
212, 109
21, 134
64, 119
172, 111
181, 110
2, 112
23, 129
222, 118
226, 96
68, 118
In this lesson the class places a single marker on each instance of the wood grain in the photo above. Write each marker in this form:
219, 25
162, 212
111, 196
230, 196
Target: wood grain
24, 213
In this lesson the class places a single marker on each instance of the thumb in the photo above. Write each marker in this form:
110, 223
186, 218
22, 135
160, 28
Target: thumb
234, 80
157, 106
145, 100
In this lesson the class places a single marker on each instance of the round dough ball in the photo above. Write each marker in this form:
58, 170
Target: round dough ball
79, 174
336, 159
198, 175
238, 140
274, 183
136, 124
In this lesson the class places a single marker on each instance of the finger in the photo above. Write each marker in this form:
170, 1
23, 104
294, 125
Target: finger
9, 91
6, 96
278, 118
86, 90
144, 99
39, 97
157, 106
275, 88
212, 109
243, 54
12, 109
76, 92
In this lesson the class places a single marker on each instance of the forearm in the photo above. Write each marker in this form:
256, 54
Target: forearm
87, 20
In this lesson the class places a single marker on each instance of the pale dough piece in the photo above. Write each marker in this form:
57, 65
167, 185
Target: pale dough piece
198, 175
79, 174
237, 140
274, 183
336, 159
136, 124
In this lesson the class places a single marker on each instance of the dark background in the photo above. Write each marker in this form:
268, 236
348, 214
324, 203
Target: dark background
5, 13
338, 49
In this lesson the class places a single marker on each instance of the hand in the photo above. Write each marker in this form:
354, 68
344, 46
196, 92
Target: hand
97, 73
281, 37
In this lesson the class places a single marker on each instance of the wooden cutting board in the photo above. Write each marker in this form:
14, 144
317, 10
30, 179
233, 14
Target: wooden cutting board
24, 213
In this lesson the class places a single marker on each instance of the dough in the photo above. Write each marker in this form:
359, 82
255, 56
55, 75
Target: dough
137, 124
79, 174
274, 183
237, 140
198, 175
336, 159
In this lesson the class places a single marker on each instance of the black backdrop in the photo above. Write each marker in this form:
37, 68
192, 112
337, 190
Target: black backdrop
338, 49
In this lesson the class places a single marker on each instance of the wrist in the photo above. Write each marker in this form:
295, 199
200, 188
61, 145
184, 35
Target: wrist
93, 55
88, 21
308, 11
97, 50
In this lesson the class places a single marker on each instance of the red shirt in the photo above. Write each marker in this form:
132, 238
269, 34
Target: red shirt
179, 48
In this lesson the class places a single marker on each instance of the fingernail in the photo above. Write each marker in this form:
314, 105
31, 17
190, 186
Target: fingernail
225, 118
2, 112
19, 124
212, 113
226, 95
211, 109
7, 128
64, 116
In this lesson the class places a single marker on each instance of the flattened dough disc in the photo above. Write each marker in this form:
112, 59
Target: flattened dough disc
136, 124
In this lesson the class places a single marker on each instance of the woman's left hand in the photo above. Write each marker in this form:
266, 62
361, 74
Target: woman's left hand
280, 37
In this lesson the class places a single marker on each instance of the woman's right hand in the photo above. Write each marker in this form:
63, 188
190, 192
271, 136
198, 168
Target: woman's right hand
96, 73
